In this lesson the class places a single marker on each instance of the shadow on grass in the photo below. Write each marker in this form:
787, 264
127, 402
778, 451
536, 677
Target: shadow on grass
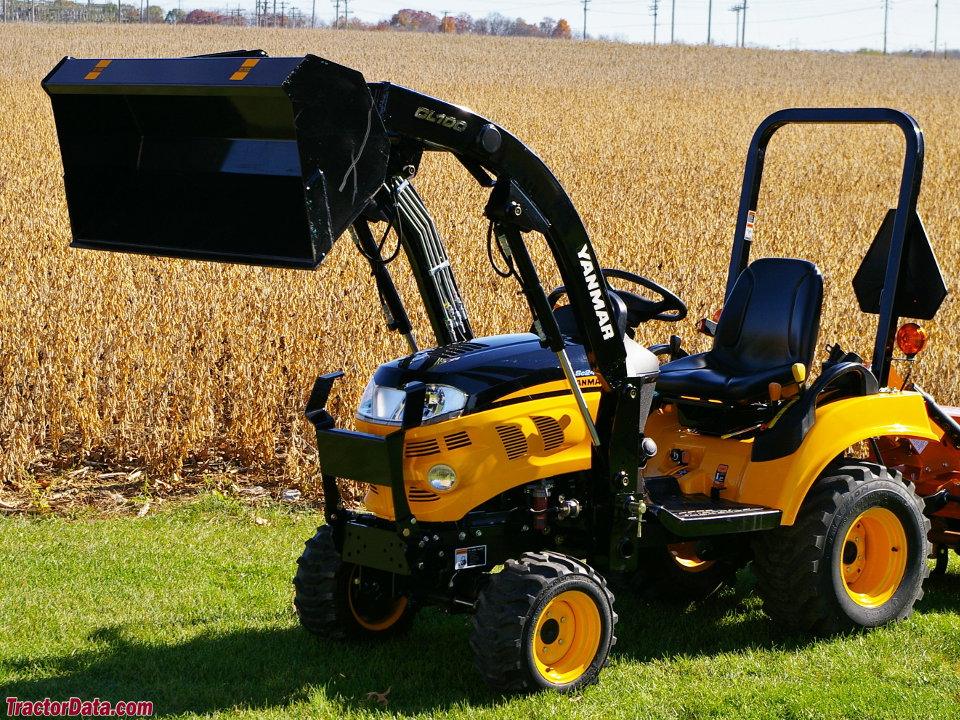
941, 594
429, 670
730, 621
259, 668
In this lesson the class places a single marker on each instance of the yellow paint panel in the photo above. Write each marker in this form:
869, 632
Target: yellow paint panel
483, 468
783, 483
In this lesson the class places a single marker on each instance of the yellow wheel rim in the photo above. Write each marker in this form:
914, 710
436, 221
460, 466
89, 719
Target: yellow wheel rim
373, 616
873, 557
685, 555
567, 637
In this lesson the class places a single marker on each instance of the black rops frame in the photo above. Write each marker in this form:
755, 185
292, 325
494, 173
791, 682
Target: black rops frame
905, 211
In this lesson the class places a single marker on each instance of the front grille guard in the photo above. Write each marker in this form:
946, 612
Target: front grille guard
349, 455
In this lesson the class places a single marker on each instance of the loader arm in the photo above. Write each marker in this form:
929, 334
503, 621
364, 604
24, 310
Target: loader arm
267, 161
527, 196
245, 158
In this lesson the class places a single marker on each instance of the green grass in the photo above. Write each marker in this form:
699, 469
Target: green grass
191, 609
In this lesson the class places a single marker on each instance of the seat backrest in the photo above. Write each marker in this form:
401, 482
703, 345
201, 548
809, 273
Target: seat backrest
772, 317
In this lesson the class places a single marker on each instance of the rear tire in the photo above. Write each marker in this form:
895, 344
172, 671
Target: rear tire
855, 557
546, 621
337, 600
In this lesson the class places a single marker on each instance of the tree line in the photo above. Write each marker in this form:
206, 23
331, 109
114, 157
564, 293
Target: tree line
405, 20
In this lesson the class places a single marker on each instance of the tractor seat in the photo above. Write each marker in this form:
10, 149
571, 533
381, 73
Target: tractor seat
770, 321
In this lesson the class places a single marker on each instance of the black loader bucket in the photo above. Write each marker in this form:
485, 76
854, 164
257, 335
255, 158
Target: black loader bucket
236, 158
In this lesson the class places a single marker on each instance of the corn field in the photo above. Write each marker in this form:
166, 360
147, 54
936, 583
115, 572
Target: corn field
171, 365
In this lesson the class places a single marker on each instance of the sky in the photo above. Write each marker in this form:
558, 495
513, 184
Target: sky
782, 24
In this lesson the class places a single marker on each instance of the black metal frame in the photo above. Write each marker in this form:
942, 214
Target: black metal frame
905, 211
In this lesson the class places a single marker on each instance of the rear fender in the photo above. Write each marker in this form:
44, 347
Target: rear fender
783, 483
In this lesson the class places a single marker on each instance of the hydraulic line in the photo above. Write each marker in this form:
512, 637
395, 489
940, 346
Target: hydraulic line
421, 233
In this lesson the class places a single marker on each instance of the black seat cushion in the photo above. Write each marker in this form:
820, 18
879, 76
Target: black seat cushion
770, 321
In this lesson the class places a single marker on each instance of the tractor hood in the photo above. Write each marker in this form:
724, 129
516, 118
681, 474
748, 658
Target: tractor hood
486, 369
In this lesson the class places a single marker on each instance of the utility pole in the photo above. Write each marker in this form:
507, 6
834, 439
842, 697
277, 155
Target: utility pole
743, 28
936, 24
886, 13
709, 18
654, 9
283, 6
346, 15
736, 38
673, 18
585, 3
336, 21
313, 14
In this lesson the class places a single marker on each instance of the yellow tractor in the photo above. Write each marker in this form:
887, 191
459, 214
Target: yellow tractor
511, 477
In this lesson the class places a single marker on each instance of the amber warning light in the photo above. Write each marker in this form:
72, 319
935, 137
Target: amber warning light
911, 339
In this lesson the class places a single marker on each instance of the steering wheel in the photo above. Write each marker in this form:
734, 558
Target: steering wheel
667, 307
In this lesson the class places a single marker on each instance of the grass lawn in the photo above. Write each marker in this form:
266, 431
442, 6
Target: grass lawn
191, 609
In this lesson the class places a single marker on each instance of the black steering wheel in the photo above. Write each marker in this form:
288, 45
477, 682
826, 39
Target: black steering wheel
667, 307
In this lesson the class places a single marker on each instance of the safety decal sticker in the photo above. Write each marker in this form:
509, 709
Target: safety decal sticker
720, 477
475, 556
244, 69
97, 69
751, 216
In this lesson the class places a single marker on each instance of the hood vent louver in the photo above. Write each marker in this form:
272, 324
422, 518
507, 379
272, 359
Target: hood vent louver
418, 495
422, 448
456, 440
448, 352
550, 432
514, 442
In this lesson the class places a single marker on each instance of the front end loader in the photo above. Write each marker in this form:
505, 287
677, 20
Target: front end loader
514, 477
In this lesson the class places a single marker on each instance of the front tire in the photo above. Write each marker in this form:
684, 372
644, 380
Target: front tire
546, 621
856, 555
337, 600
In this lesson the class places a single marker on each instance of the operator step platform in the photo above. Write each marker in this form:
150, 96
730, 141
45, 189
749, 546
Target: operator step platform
696, 515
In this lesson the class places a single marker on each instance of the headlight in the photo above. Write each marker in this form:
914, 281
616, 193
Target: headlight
443, 402
382, 404
385, 404
442, 477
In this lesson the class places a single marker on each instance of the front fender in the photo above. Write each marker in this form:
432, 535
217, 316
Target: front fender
783, 483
